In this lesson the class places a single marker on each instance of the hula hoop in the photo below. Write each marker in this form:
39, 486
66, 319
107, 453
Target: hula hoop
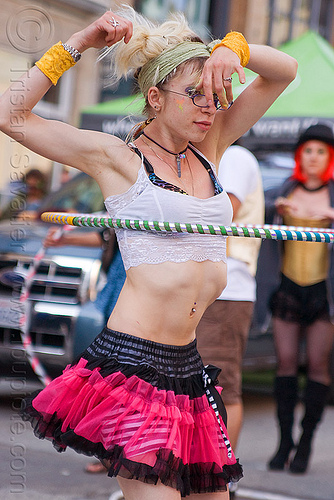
318, 235
24, 321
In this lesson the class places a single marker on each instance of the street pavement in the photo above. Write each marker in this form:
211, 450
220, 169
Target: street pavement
258, 442
32, 470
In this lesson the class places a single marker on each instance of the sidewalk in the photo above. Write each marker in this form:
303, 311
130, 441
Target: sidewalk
258, 442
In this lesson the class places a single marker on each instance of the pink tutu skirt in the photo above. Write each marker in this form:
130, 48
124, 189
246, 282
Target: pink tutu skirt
148, 411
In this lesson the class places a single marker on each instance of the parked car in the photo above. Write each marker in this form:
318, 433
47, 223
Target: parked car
62, 316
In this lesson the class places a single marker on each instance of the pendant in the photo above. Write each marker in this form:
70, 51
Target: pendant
179, 157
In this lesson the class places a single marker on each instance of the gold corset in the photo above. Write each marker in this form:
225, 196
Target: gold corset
305, 263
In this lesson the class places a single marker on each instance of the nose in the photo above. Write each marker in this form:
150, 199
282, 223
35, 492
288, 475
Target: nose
314, 155
209, 108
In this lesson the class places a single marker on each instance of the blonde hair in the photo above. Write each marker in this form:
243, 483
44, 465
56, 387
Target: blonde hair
148, 41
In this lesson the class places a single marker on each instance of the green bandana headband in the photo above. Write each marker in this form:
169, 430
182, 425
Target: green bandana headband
158, 68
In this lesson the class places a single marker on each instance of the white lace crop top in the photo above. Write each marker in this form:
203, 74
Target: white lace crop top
146, 200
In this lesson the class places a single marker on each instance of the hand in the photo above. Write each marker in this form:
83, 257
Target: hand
51, 239
217, 69
105, 31
323, 213
26, 215
285, 206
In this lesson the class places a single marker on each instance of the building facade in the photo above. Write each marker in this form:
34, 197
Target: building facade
28, 30
270, 22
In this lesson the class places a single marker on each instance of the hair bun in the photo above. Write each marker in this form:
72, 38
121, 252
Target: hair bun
147, 42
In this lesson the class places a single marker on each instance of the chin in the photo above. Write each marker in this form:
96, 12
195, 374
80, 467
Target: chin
199, 137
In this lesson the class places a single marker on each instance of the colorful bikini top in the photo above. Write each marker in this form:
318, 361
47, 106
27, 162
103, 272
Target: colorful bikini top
151, 198
171, 187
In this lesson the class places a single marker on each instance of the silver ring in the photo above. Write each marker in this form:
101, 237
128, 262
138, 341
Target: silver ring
113, 22
229, 79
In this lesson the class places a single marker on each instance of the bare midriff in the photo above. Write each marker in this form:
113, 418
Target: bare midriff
164, 302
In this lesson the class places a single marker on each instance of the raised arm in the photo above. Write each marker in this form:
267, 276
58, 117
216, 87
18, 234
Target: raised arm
53, 139
276, 71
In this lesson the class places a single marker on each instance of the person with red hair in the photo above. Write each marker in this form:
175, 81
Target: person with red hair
301, 307
327, 173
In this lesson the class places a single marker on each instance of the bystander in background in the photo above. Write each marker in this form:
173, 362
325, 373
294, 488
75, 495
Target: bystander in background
302, 306
29, 197
223, 330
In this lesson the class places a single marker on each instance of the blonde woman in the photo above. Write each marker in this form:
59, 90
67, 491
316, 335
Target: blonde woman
139, 397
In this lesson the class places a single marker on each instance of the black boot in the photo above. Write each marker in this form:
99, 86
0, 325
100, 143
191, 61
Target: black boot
286, 394
315, 400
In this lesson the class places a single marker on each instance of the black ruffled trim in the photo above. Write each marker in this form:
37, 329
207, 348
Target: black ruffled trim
170, 470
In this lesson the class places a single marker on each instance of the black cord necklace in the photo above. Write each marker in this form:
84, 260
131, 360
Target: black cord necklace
311, 190
178, 156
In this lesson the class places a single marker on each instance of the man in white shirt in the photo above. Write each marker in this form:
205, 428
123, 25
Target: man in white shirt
222, 333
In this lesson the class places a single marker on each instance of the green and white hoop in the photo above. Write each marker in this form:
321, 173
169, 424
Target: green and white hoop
318, 235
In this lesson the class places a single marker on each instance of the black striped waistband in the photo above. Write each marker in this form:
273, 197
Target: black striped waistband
173, 361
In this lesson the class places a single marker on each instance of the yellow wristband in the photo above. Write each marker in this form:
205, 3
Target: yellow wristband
55, 62
236, 42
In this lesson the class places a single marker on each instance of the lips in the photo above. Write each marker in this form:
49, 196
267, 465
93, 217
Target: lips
204, 125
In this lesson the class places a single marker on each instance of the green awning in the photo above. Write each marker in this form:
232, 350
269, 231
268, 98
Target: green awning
311, 94
132, 105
